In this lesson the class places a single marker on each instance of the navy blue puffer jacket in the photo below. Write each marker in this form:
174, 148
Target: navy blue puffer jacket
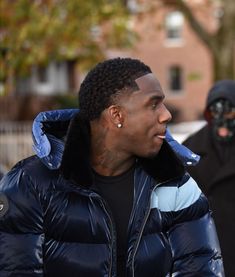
52, 224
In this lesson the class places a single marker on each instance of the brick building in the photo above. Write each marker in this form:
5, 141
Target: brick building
165, 42
176, 55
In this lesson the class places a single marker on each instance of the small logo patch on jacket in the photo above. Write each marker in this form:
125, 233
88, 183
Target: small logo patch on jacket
4, 205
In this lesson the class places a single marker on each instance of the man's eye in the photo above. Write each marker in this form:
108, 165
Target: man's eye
154, 105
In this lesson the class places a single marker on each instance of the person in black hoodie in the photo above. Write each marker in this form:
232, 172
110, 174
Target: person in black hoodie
215, 173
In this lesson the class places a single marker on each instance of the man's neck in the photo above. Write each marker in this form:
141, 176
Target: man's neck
108, 165
106, 157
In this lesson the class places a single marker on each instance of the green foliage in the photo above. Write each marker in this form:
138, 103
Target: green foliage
37, 31
66, 101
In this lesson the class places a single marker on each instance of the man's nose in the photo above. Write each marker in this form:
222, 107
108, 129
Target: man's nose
165, 115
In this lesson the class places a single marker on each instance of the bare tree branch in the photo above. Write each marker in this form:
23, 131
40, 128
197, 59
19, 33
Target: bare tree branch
221, 43
202, 33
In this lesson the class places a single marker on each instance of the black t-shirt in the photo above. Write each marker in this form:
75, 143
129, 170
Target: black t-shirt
118, 192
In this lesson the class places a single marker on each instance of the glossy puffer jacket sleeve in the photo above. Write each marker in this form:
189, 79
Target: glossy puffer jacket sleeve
193, 238
192, 234
21, 231
195, 249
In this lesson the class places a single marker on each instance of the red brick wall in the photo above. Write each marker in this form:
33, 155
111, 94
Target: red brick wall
192, 56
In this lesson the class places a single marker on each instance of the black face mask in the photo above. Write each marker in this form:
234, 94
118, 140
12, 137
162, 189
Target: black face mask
221, 120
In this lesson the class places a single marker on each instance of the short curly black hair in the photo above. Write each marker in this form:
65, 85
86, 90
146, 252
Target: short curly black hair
107, 79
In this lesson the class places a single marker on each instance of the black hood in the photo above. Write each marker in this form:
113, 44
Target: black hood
222, 89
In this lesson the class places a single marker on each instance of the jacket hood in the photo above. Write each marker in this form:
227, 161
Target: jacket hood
49, 132
51, 129
222, 89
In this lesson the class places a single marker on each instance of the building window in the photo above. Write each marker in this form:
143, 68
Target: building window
42, 74
175, 79
135, 6
174, 25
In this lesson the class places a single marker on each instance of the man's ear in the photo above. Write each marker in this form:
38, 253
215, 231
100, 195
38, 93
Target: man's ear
115, 115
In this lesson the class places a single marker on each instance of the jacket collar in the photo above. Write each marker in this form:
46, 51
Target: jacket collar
76, 167
51, 128
48, 133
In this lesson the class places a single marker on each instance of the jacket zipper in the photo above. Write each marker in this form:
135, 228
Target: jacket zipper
143, 225
113, 244
113, 233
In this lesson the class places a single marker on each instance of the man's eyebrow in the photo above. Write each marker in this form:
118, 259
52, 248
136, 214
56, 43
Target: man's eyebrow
157, 97
153, 98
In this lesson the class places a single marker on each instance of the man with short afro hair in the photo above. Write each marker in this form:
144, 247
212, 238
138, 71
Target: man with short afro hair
108, 196
107, 80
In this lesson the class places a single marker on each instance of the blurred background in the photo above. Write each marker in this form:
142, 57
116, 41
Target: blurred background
47, 47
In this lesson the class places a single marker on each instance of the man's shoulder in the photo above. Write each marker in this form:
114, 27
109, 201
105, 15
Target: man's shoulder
197, 138
27, 163
31, 170
33, 166
181, 200
177, 195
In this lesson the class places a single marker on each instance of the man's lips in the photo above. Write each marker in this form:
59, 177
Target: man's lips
161, 136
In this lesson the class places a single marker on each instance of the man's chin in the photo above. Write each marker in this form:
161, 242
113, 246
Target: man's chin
151, 155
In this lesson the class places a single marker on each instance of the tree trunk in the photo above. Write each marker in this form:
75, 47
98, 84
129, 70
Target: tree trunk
225, 41
224, 62
221, 44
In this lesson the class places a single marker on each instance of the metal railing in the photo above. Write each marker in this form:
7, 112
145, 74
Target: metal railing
15, 142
